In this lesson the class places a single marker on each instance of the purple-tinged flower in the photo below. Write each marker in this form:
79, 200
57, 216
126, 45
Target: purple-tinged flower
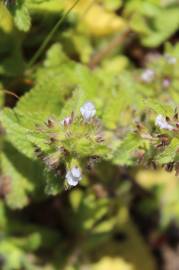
88, 111
148, 75
166, 82
162, 123
73, 176
66, 121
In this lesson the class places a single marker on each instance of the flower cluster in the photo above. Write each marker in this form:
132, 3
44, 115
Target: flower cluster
64, 139
88, 111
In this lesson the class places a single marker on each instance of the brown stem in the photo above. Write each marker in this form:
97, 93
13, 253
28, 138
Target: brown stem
115, 42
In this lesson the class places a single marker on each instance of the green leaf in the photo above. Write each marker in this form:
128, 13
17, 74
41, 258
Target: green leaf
18, 134
165, 24
10, 45
21, 15
16, 256
123, 155
54, 183
25, 177
168, 155
46, 6
153, 23
48, 96
159, 107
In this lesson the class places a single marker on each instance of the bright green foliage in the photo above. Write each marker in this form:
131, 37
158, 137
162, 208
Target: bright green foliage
21, 16
15, 250
170, 153
153, 22
123, 155
87, 111
10, 45
24, 181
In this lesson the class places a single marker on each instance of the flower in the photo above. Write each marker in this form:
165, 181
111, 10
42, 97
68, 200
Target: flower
66, 121
170, 59
73, 176
88, 111
148, 75
166, 82
161, 122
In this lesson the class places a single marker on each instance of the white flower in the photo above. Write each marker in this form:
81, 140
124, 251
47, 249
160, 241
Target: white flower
161, 122
88, 111
170, 59
166, 83
66, 121
73, 176
148, 75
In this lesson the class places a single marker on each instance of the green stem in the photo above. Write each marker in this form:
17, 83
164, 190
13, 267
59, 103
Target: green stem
50, 35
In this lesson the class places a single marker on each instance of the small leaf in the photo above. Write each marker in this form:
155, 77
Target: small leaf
21, 16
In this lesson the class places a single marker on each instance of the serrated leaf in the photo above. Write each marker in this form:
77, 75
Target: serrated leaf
18, 134
168, 155
21, 15
123, 155
48, 96
159, 107
25, 177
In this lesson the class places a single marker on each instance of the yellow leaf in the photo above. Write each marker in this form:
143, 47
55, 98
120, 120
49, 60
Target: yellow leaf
168, 196
115, 263
6, 21
96, 20
150, 178
46, 6
129, 253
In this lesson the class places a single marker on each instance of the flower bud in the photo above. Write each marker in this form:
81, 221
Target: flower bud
66, 121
